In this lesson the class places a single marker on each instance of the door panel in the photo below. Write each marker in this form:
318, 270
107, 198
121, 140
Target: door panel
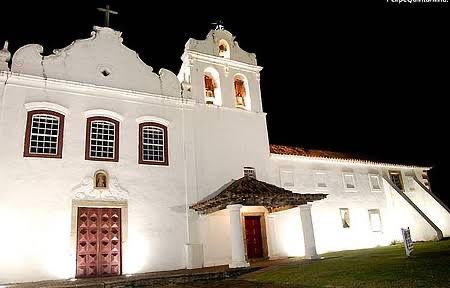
98, 242
253, 237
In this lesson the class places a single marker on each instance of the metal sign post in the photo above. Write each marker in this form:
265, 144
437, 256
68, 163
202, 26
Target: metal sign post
409, 248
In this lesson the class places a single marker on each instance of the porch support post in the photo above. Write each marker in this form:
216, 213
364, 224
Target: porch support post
272, 236
308, 232
237, 241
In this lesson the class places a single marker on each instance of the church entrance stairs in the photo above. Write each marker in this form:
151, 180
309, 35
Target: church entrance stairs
178, 278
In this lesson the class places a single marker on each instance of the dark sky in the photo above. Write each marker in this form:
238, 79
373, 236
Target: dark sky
366, 80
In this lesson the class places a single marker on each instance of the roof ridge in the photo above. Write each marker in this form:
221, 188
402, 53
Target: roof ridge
329, 155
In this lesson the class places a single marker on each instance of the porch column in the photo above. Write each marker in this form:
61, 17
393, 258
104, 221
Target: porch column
237, 241
272, 236
308, 232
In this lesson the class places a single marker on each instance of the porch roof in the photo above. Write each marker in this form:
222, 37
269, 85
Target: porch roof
249, 191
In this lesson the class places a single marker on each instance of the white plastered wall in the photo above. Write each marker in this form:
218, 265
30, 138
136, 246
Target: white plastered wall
37, 194
395, 212
215, 237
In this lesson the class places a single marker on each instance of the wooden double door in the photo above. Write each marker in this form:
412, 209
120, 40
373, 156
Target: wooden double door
98, 242
253, 237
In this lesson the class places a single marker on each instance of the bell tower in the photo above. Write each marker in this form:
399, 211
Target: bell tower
229, 124
216, 71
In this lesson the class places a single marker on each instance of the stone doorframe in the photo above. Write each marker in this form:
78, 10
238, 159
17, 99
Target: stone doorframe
263, 232
122, 204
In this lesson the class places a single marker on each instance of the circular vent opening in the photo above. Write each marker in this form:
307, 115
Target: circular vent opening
105, 72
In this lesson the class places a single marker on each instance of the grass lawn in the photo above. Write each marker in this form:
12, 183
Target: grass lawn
429, 266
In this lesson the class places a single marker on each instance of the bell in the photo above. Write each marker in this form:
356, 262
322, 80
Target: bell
239, 101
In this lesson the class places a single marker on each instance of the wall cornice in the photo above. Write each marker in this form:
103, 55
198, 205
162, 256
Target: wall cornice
193, 55
345, 161
91, 90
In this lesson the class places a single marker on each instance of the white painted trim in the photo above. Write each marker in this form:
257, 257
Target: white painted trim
370, 175
161, 121
346, 189
375, 211
46, 106
92, 90
105, 113
212, 106
194, 55
316, 173
287, 171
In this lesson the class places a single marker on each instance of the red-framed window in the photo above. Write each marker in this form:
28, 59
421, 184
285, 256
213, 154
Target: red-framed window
153, 144
102, 139
44, 134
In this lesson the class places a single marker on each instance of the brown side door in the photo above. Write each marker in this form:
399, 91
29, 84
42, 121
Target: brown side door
98, 242
253, 237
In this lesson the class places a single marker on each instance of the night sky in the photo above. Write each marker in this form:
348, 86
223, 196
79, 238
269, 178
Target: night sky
371, 81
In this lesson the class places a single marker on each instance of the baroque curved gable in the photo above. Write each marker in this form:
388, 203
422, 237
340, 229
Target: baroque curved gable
101, 60
210, 46
86, 191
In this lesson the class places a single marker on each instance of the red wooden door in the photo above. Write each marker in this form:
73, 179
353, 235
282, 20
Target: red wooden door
253, 236
98, 242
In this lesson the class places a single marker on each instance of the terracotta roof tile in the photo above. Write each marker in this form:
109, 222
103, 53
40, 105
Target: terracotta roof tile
298, 151
252, 192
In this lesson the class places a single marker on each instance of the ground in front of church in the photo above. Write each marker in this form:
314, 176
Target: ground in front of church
385, 267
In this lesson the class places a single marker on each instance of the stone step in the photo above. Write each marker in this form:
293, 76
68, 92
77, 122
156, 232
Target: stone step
142, 280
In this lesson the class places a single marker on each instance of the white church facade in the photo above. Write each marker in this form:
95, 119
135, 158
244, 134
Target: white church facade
108, 168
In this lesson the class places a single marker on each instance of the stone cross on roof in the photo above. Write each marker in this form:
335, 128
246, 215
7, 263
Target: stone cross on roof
219, 25
107, 11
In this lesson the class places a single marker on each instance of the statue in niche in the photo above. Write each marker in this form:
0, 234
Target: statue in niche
100, 187
100, 179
